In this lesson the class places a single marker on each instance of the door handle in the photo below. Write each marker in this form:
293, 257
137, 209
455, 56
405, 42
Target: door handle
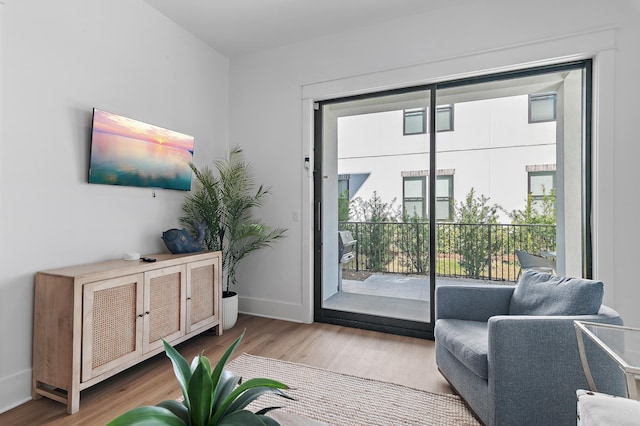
318, 217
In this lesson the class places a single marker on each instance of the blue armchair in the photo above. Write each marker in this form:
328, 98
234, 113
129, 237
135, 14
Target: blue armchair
511, 352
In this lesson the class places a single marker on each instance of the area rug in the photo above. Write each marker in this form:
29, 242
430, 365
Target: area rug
343, 400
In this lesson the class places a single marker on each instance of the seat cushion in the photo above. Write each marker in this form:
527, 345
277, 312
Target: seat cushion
466, 340
539, 293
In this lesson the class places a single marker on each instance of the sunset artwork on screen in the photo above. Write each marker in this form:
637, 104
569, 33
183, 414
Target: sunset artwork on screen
132, 153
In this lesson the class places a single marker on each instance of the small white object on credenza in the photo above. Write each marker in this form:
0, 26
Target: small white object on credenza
131, 256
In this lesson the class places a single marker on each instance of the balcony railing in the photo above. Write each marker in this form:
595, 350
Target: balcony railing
464, 250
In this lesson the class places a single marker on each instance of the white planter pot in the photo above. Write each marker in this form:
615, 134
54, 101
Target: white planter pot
229, 311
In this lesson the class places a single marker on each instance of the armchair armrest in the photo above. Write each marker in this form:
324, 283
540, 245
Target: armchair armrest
472, 302
528, 353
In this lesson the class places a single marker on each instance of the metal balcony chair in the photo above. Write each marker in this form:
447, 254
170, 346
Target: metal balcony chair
531, 261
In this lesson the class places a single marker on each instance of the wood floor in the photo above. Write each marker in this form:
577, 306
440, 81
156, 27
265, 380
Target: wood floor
403, 360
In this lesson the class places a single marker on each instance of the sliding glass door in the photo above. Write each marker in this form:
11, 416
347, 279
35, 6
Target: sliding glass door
409, 197
380, 277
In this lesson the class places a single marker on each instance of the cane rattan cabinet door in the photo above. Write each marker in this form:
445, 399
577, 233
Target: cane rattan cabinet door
164, 312
203, 294
112, 324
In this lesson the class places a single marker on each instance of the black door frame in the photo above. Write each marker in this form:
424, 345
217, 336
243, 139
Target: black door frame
421, 329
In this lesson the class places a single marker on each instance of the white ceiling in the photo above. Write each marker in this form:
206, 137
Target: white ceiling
236, 27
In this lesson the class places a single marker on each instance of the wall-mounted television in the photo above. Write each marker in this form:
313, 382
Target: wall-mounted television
133, 153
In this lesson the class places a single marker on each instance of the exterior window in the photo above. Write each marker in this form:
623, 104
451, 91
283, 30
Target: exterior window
414, 196
542, 107
414, 121
414, 199
343, 186
444, 118
343, 197
541, 184
444, 197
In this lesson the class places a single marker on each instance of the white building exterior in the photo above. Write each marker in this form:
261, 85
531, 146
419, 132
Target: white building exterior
492, 148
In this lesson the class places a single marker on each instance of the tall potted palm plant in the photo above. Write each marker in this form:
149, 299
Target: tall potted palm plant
225, 201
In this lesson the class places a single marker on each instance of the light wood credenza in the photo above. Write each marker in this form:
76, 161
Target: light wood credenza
95, 320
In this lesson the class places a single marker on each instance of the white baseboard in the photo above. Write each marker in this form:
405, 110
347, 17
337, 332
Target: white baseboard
15, 390
271, 309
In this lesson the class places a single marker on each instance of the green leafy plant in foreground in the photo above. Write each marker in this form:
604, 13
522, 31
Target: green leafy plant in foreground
212, 396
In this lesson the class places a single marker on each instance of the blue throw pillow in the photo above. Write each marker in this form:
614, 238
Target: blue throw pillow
540, 293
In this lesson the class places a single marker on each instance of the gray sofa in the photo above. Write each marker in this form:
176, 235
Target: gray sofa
511, 352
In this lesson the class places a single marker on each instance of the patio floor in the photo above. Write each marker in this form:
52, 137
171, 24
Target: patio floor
388, 295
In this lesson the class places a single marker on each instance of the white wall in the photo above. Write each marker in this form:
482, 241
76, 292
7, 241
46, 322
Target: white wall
272, 93
58, 61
